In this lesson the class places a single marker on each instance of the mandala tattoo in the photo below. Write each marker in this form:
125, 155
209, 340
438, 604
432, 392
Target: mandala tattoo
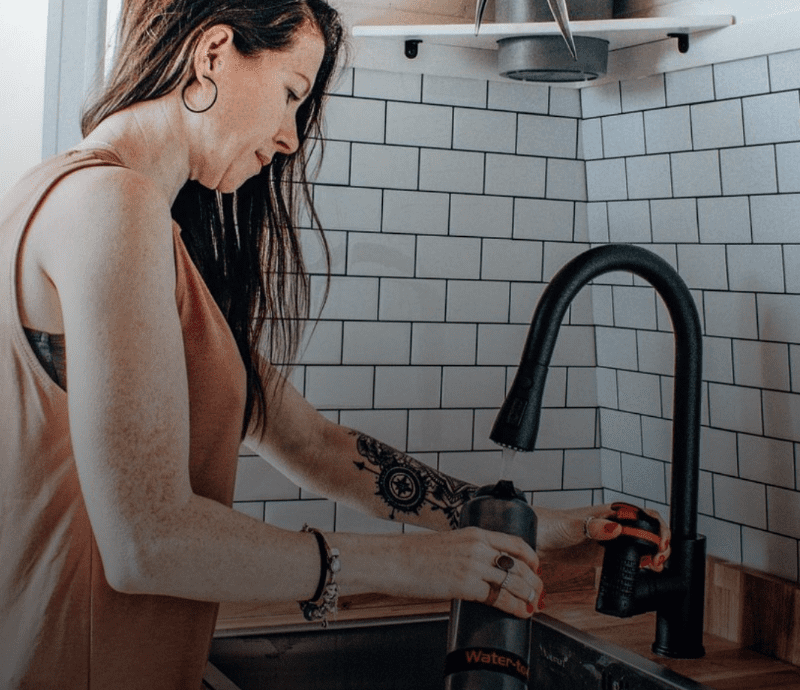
406, 485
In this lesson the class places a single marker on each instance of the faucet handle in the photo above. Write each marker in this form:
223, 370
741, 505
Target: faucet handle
640, 537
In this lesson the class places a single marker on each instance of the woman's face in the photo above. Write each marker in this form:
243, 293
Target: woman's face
256, 110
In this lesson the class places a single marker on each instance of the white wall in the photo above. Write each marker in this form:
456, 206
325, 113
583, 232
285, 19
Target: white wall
22, 54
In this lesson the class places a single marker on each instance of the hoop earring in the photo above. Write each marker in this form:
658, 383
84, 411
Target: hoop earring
209, 106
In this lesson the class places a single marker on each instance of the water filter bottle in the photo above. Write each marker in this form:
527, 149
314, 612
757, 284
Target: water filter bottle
488, 649
640, 537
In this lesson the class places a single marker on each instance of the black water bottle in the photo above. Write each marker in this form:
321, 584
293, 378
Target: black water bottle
640, 537
488, 649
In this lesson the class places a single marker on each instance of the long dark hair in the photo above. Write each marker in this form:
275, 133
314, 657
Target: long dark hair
245, 244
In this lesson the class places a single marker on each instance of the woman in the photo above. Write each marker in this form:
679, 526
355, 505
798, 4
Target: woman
126, 268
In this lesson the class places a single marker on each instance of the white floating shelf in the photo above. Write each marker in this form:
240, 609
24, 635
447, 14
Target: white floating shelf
620, 33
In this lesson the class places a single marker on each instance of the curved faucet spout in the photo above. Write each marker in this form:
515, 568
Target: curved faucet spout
517, 424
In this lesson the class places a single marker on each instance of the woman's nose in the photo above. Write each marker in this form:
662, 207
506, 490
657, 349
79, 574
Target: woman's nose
286, 140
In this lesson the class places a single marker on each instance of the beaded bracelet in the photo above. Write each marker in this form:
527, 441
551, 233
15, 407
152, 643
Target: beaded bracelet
326, 597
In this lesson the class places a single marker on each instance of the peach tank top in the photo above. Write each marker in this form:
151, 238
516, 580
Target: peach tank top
61, 625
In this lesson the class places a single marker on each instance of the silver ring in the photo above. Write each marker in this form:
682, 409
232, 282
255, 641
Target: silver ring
586, 527
505, 579
504, 562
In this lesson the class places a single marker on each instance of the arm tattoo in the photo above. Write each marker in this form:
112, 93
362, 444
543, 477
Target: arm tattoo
405, 484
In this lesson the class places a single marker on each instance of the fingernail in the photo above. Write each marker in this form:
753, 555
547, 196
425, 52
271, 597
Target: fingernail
610, 527
529, 607
666, 545
660, 559
646, 560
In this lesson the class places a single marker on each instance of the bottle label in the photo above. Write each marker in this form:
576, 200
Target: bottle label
484, 659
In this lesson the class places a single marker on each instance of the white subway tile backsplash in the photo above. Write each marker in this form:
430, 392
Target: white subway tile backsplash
412, 299
668, 129
581, 387
649, 177
388, 425
782, 415
547, 136
656, 352
791, 267
510, 259
723, 538
611, 469
448, 257
501, 343
425, 213
772, 118
444, 343
477, 301
566, 179
623, 135
643, 477
367, 342
740, 501
778, 317
657, 438
770, 553
788, 161
603, 100
348, 208
339, 387
350, 298
407, 387
543, 219
374, 165
480, 215
749, 170
690, 86
735, 408
515, 175
415, 124
395, 86
756, 268
731, 315
766, 460
471, 93
439, 430
566, 428
380, 254
784, 70
473, 386
634, 307
696, 174
525, 97
717, 125
590, 139
565, 102
335, 165
643, 94
605, 180
784, 511
621, 431
674, 220
717, 360
629, 221
352, 119
342, 83
582, 469
724, 219
741, 78
484, 130
323, 343
702, 267
640, 393
616, 348
451, 171
774, 218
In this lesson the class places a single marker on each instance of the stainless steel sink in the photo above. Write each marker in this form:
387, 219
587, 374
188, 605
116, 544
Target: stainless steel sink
408, 653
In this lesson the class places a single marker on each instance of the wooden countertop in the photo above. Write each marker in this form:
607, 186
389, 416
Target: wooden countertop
727, 665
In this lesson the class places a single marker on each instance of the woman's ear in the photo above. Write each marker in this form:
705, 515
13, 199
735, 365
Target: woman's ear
211, 51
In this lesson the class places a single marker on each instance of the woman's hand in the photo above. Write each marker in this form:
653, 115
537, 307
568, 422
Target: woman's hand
472, 564
575, 535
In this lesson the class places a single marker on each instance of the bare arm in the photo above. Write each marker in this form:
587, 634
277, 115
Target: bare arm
129, 421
